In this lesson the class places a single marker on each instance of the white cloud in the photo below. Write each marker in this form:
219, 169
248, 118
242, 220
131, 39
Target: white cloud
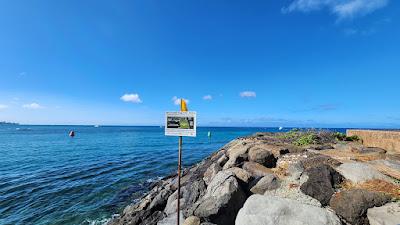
177, 101
207, 97
134, 98
32, 106
3, 106
247, 94
343, 9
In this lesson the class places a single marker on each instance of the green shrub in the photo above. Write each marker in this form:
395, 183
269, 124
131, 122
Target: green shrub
353, 138
342, 137
306, 139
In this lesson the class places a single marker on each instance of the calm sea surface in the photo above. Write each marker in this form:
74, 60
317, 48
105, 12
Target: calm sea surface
46, 177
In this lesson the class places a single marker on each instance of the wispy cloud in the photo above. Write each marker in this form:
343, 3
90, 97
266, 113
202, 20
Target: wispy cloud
396, 118
370, 30
22, 74
343, 9
177, 101
326, 107
317, 108
3, 106
134, 98
247, 94
33, 105
268, 121
207, 97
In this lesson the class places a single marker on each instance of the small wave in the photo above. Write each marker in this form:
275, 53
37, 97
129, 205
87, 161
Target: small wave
103, 221
97, 222
151, 180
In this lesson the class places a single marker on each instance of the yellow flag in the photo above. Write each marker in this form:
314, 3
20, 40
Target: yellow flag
183, 106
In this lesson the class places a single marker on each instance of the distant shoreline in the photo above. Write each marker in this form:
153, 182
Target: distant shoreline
161, 126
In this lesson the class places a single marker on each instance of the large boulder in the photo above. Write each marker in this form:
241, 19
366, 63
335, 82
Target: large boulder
359, 172
271, 210
222, 200
387, 167
385, 215
211, 172
269, 182
321, 182
237, 153
160, 200
192, 220
262, 156
256, 169
352, 205
170, 220
240, 174
190, 193
313, 160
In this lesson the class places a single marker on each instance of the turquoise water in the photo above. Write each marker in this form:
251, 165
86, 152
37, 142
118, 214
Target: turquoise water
46, 177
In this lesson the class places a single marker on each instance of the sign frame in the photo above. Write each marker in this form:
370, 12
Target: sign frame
172, 124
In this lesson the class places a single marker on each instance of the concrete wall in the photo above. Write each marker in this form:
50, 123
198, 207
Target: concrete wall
388, 140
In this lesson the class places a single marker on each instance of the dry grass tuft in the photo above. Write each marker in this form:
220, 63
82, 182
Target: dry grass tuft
376, 186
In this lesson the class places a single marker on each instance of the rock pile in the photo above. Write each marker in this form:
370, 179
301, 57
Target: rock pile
264, 179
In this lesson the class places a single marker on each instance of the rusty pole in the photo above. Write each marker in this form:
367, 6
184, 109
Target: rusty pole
179, 179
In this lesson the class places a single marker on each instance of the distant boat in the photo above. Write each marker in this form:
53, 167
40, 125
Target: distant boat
280, 128
72, 133
96, 126
209, 134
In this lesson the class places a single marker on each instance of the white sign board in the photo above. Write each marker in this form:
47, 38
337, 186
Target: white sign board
180, 124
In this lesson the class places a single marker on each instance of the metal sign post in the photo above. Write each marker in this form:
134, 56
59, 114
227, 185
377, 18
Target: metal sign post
180, 124
179, 179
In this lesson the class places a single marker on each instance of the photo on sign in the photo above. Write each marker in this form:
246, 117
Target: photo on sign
180, 122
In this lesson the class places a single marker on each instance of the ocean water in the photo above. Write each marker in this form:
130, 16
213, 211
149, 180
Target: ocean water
47, 177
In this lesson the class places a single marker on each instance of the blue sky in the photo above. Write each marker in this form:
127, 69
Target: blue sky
314, 63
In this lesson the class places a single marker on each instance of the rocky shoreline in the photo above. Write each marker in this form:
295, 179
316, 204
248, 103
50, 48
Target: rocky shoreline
311, 177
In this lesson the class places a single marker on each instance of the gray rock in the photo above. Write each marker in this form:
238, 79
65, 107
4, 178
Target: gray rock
221, 161
240, 173
236, 153
270, 210
160, 200
388, 214
190, 193
170, 220
295, 170
262, 156
192, 220
222, 200
153, 219
352, 205
268, 182
256, 169
211, 172
321, 182
360, 172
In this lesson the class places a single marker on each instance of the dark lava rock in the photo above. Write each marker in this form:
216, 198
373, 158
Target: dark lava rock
153, 219
160, 200
352, 205
314, 160
321, 182
323, 147
262, 156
